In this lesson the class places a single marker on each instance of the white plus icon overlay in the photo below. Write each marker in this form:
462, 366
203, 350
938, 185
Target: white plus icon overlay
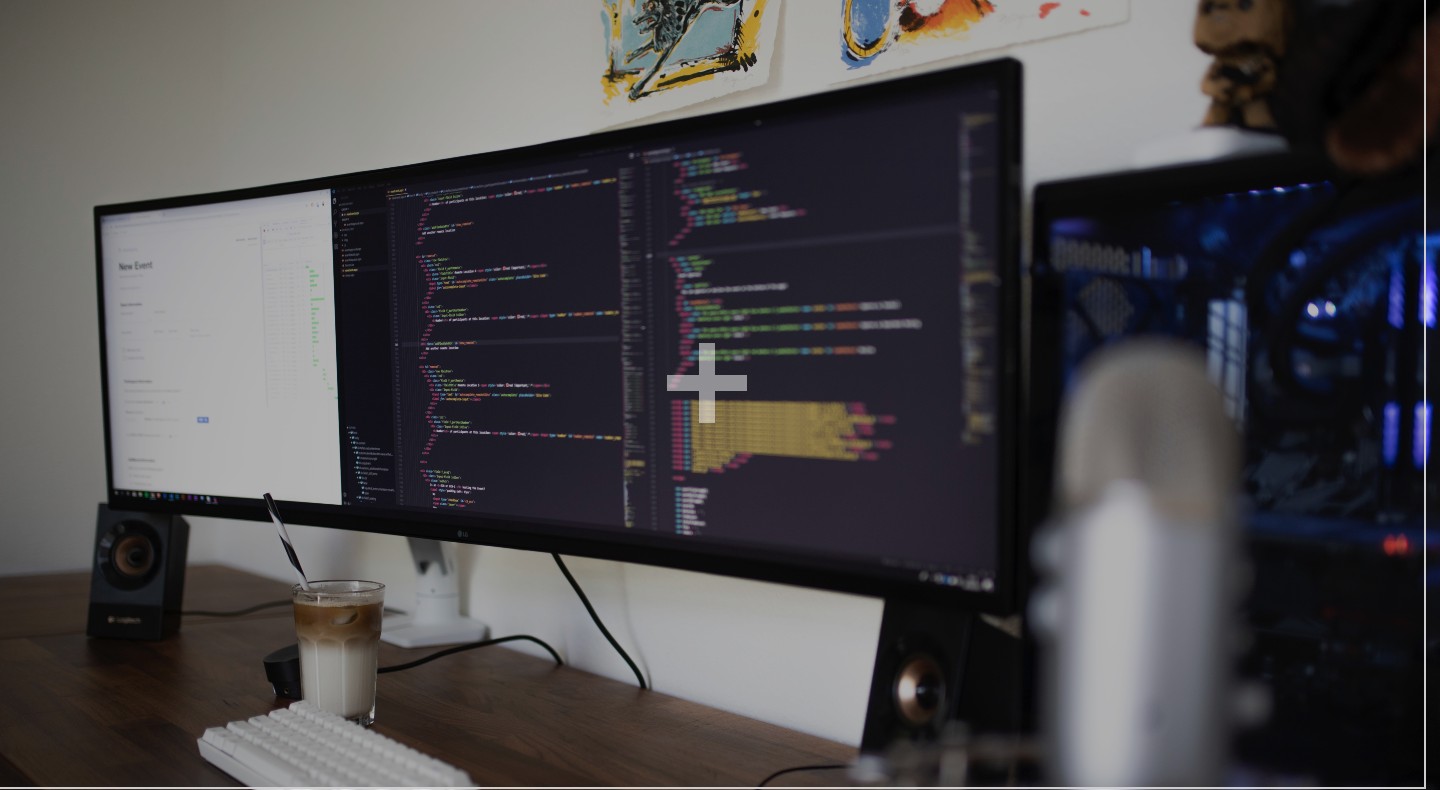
707, 383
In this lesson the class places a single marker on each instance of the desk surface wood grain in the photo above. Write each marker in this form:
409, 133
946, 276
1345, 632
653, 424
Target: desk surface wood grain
81, 711
57, 603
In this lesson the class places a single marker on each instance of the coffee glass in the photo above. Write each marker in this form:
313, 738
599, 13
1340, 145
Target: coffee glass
338, 626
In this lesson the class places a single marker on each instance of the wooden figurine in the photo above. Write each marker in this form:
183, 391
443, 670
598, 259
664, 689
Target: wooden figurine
1247, 38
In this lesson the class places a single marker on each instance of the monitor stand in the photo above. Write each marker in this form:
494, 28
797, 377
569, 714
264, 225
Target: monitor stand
436, 619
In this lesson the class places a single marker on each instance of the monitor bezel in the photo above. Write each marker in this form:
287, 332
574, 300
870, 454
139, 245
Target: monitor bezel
806, 570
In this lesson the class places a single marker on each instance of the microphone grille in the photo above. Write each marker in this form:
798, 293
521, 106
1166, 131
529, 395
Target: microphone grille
1145, 410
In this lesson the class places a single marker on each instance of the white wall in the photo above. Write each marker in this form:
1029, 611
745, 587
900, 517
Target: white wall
105, 101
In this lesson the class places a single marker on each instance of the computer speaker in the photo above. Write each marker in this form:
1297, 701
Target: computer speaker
935, 664
915, 683
137, 577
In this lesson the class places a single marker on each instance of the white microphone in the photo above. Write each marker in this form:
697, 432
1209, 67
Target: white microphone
1138, 616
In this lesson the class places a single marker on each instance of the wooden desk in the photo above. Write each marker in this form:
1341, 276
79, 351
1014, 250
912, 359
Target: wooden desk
57, 603
81, 711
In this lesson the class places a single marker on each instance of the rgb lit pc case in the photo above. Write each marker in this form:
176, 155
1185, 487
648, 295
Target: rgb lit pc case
1312, 296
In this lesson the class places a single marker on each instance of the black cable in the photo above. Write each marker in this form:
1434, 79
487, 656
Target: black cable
247, 610
772, 777
471, 646
598, 624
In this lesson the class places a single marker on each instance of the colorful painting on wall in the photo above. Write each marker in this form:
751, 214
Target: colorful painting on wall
664, 54
883, 35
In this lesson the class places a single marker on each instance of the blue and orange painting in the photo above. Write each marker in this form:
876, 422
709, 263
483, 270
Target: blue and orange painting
869, 27
659, 45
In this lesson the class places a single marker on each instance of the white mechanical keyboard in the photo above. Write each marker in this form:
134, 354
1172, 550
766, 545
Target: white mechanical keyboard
305, 746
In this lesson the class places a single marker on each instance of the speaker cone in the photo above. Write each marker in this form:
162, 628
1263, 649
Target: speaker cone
129, 554
133, 555
919, 690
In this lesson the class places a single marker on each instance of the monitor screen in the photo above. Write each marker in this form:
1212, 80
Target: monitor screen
775, 343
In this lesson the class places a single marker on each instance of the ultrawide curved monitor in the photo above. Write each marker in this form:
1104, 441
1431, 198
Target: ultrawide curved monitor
777, 343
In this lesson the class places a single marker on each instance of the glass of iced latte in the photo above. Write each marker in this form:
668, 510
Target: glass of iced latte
338, 626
